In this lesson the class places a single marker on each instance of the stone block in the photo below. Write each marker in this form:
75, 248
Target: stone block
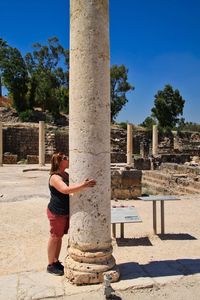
32, 159
118, 157
142, 164
9, 158
125, 184
48, 158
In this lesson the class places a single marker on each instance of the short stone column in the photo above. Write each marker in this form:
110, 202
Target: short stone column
155, 140
129, 143
144, 148
175, 141
90, 248
1, 144
41, 143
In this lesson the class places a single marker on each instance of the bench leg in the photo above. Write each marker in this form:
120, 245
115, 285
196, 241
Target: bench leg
122, 230
154, 217
114, 230
162, 214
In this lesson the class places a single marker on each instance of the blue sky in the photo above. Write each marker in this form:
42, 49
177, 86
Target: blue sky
157, 40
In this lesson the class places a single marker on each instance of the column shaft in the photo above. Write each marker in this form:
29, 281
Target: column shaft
41, 143
1, 144
155, 140
90, 249
129, 143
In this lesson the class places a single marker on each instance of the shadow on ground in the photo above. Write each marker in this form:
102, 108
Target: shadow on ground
128, 242
176, 236
132, 270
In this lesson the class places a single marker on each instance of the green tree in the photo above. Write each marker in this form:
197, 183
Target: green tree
49, 83
0, 87
168, 105
148, 122
14, 74
3, 47
188, 126
41, 79
119, 87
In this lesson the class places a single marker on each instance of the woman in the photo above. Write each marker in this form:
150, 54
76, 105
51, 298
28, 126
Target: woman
58, 208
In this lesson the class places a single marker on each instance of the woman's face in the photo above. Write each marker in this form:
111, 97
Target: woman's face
64, 162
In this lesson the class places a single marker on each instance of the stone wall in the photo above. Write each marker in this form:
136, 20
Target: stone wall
62, 141
21, 139
142, 164
125, 182
173, 168
172, 178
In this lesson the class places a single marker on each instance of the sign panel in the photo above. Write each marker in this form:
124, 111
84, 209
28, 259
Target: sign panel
124, 214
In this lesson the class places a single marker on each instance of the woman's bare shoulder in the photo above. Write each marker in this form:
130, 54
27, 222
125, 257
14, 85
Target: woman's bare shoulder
54, 178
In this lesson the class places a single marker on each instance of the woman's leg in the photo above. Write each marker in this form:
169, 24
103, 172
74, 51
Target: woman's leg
58, 226
59, 244
53, 247
64, 222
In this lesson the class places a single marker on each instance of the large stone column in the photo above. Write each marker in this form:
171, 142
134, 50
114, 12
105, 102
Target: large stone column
1, 144
155, 140
129, 143
41, 143
90, 249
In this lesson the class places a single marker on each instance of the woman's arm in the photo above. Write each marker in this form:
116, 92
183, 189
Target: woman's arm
57, 182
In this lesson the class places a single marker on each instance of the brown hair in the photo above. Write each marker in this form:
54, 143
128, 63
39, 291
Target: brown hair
55, 162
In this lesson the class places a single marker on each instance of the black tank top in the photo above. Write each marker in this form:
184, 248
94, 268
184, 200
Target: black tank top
59, 202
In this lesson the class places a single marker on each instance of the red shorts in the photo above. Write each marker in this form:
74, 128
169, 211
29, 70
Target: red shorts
59, 224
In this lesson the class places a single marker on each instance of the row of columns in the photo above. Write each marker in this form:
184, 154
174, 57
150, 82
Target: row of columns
129, 143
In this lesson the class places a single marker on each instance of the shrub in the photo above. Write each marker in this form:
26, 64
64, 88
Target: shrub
25, 116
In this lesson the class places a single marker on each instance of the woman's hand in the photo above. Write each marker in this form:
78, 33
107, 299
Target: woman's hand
89, 182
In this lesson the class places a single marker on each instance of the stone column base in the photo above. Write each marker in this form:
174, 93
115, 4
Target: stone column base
95, 276
89, 269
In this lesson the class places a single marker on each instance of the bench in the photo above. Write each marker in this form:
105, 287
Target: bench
121, 215
162, 200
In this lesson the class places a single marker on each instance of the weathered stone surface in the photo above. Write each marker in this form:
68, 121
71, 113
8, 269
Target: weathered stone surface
1, 144
155, 140
125, 184
129, 143
173, 179
32, 159
89, 142
8, 287
118, 157
39, 285
9, 159
22, 139
84, 277
142, 164
41, 143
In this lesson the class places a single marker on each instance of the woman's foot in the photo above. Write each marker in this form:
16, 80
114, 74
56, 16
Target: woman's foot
54, 269
59, 265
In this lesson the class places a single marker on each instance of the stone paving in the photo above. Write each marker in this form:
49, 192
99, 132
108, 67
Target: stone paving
41, 285
135, 273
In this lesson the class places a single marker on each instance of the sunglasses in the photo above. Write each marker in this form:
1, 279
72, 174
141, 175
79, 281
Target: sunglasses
65, 158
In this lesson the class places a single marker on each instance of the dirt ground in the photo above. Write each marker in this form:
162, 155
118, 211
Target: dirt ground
25, 231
